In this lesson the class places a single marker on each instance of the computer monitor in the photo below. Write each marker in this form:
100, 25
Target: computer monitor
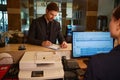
87, 44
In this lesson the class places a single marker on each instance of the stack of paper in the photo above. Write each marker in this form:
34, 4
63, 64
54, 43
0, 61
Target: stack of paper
54, 46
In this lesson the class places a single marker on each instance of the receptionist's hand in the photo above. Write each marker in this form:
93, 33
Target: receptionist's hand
64, 44
46, 43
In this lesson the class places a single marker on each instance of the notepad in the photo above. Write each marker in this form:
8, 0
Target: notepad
54, 46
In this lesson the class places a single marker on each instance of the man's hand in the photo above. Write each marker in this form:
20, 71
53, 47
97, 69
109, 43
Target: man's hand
46, 43
64, 44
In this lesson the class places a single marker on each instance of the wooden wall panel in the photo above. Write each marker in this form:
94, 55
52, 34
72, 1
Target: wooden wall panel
91, 15
14, 15
91, 23
92, 5
64, 25
31, 10
14, 22
13, 3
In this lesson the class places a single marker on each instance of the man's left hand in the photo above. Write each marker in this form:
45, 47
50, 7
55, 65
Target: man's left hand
64, 44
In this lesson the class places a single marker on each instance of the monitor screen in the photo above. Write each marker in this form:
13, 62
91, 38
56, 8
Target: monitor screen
87, 44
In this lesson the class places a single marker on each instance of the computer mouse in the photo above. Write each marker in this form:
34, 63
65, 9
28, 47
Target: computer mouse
6, 58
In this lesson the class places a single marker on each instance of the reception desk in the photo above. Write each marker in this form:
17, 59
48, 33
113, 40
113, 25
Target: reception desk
29, 47
63, 52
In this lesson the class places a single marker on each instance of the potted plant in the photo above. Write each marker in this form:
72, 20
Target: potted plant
10, 36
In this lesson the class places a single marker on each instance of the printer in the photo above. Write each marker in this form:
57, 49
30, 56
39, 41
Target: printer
38, 65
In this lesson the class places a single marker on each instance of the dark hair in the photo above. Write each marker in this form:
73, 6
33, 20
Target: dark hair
116, 12
52, 6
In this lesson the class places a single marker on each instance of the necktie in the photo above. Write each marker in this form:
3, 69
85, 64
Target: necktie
48, 30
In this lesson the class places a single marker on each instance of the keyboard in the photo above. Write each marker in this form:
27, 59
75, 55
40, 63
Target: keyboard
72, 64
72, 69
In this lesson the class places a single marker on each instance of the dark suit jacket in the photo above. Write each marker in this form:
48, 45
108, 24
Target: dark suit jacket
37, 31
104, 66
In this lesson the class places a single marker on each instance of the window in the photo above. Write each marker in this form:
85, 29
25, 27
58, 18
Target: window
3, 16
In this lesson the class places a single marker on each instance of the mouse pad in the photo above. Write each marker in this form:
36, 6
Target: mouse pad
37, 74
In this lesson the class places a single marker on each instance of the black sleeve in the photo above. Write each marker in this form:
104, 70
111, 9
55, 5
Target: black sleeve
89, 75
32, 33
91, 72
60, 35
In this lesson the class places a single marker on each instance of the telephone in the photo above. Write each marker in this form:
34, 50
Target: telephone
72, 69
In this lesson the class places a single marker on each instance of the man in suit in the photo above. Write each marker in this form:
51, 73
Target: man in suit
45, 30
107, 66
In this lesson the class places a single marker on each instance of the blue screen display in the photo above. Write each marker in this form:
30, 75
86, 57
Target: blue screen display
85, 44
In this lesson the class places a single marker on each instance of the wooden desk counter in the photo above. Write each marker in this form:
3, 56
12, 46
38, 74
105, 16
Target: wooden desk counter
29, 47
81, 63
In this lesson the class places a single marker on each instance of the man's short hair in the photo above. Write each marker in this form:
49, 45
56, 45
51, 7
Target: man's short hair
52, 6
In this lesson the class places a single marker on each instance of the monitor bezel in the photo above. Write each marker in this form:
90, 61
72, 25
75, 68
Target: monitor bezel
83, 56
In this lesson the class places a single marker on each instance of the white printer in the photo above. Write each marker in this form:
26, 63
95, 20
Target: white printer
37, 65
